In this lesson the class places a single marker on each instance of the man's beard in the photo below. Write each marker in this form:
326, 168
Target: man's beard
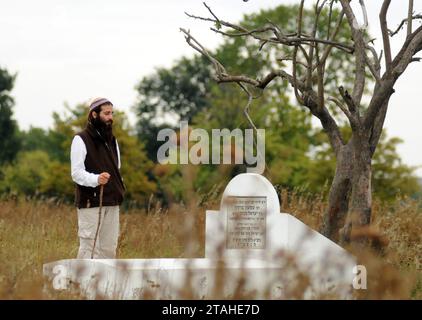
105, 129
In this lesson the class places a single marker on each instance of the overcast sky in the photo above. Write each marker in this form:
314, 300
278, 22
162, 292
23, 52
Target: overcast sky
70, 51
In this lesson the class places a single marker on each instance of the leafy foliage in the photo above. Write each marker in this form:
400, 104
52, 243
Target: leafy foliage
9, 142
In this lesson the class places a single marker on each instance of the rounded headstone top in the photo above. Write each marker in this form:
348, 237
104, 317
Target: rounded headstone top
252, 185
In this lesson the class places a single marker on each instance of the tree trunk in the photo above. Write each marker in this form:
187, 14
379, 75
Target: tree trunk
338, 199
350, 198
361, 198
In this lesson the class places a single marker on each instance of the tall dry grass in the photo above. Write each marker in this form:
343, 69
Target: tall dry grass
36, 232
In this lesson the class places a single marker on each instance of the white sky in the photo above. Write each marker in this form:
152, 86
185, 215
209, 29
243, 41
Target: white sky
70, 51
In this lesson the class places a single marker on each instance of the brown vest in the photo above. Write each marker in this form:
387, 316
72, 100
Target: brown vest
100, 157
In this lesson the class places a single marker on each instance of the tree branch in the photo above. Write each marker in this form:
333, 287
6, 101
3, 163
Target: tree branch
248, 117
198, 47
294, 63
248, 104
328, 123
415, 17
376, 129
411, 46
320, 79
328, 48
341, 106
307, 97
289, 39
330, 13
365, 15
349, 101
311, 102
409, 17
359, 83
311, 48
375, 66
384, 31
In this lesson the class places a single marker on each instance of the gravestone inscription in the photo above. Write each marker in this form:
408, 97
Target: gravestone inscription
246, 222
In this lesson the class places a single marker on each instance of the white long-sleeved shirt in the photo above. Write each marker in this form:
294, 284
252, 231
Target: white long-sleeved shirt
77, 164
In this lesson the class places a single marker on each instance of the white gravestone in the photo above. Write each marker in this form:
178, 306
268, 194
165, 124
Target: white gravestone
251, 237
249, 225
242, 226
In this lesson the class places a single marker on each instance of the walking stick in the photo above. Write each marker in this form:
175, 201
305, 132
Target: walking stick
99, 220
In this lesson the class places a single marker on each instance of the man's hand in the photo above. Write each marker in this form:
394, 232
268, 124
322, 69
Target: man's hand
103, 178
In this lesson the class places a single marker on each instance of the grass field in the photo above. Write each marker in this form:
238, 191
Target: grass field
33, 232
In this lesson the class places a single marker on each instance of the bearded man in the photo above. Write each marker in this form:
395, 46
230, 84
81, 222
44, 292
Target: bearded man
95, 169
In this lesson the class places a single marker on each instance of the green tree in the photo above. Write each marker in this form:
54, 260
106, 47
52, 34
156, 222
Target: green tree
391, 177
34, 173
26, 174
170, 95
35, 139
9, 142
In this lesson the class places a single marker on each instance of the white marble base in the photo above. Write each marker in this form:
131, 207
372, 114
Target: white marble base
178, 279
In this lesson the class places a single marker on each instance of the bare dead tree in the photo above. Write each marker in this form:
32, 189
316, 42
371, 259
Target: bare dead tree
350, 200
